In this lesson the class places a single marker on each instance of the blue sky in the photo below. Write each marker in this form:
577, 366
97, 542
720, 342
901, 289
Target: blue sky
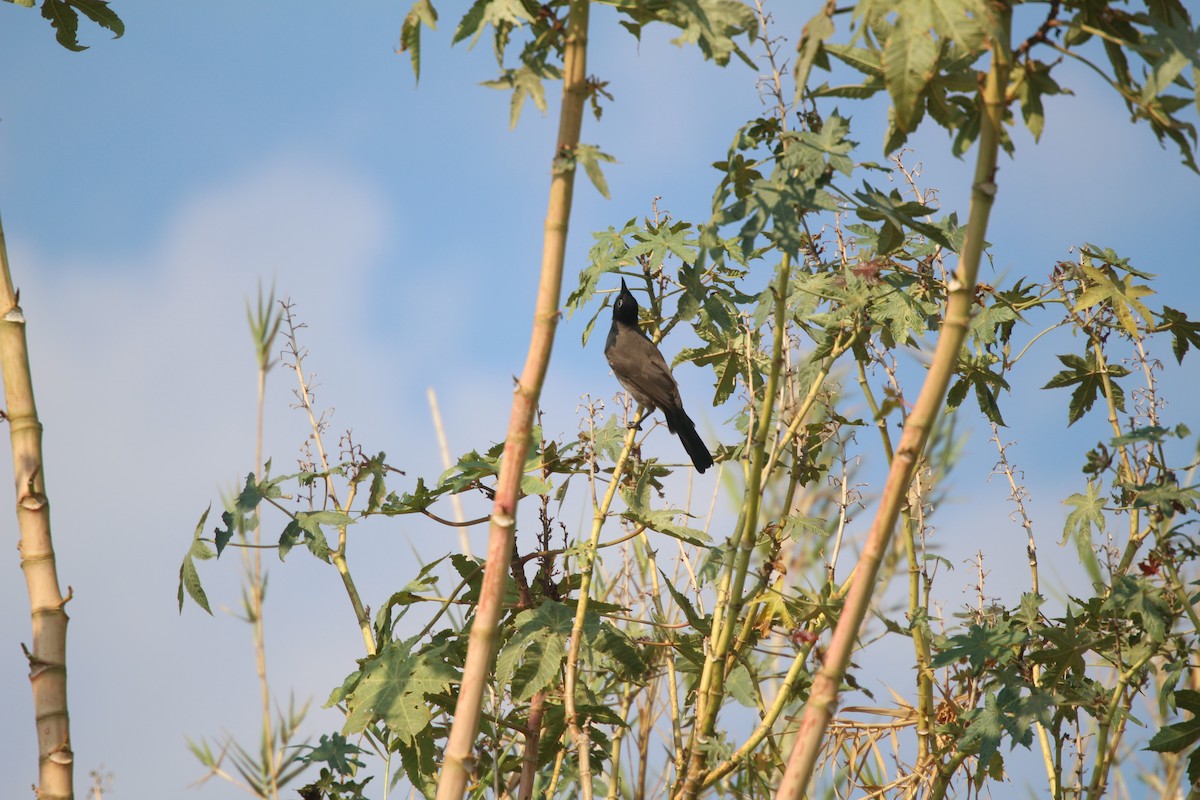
148, 184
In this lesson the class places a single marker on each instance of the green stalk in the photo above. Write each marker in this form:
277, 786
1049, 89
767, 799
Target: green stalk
917, 611
747, 532
587, 559
48, 655
458, 757
827, 682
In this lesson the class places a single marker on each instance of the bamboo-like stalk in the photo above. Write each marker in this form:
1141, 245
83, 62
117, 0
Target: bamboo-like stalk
48, 655
458, 758
820, 706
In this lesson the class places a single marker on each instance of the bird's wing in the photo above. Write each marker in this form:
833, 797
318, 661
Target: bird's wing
641, 369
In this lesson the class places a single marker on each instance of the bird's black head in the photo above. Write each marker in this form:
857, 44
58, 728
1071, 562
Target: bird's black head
625, 309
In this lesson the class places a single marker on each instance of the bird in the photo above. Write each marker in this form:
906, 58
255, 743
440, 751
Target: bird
644, 373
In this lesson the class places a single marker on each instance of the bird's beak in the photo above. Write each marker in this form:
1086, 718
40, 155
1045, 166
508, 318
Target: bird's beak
623, 287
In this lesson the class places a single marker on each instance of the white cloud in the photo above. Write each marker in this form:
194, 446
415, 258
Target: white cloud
143, 371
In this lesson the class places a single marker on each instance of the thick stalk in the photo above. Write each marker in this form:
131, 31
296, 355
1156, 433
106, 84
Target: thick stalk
820, 706
481, 649
48, 656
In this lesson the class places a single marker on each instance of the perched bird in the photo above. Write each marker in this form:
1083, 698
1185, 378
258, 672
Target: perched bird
644, 373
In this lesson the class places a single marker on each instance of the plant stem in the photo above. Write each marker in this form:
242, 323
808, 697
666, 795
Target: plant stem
253, 557
587, 559
827, 682
458, 759
48, 656
747, 533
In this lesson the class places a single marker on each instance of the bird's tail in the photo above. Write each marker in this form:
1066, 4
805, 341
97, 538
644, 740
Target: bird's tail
681, 425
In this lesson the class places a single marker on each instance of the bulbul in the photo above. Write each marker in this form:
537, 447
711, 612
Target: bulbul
644, 373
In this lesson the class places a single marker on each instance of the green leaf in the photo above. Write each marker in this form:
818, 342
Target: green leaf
982, 645
1086, 375
615, 645
1033, 82
189, 578
64, 18
661, 520
974, 371
1121, 295
1004, 714
339, 754
421, 13
966, 23
876, 206
815, 32
1184, 333
712, 25
525, 82
867, 61
1088, 513
99, 12
702, 625
590, 157
1176, 738
420, 761
1143, 604
533, 656
496, 13
1182, 735
909, 60
394, 686
65, 21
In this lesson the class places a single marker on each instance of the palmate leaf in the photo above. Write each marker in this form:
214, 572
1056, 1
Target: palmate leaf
421, 13
393, 686
1184, 332
901, 313
900, 214
656, 241
637, 502
1088, 513
909, 60
64, 18
189, 578
489, 12
609, 252
607, 641
815, 32
975, 371
1064, 648
534, 654
1140, 601
1178, 737
1119, 294
1033, 82
307, 525
590, 157
1088, 379
982, 646
727, 357
712, 25
526, 82
1007, 714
